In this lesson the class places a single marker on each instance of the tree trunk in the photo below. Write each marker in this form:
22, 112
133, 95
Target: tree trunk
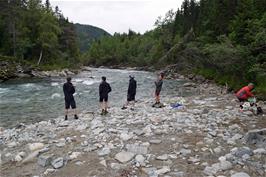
14, 38
40, 59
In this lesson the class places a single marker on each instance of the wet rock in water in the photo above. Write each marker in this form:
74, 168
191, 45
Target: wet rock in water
104, 151
163, 170
241, 174
35, 146
257, 137
124, 157
137, 149
58, 163
162, 157
44, 160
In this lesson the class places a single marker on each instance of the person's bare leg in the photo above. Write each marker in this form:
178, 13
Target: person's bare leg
102, 106
66, 114
157, 99
75, 113
105, 106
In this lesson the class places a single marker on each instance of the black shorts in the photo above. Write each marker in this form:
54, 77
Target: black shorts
131, 97
103, 98
69, 103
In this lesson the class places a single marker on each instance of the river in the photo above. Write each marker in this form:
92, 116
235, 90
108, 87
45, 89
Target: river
33, 100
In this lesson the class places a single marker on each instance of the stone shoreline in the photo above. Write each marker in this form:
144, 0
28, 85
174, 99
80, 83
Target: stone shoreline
207, 136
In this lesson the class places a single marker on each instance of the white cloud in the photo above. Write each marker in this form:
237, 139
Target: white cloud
116, 16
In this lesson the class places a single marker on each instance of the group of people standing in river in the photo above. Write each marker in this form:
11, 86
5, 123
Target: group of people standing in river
104, 90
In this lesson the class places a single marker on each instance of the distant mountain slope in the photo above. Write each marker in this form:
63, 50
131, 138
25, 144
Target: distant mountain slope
86, 34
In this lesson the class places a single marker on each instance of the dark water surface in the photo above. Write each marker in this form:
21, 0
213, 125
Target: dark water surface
32, 100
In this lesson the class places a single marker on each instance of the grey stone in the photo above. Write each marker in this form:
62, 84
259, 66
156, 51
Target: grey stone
225, 165
177, 174
242, 151
140, 158
162, 157
241, 174
104, 151
139, 132
90, 148
193, 160
44, 160
185, 152
137, 149
151, 172
124, 157
259, 151
256, 137
155, 141
210, 170
58, 163
163, 170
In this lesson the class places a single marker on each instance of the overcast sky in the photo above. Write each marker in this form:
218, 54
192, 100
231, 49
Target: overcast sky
116, 15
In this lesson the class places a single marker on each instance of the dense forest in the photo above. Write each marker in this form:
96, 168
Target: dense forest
33, 32
224, 40
87, 34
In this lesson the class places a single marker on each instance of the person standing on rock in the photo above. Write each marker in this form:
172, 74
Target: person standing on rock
158, 88
131, 92
104, 90
245, 93
69, 90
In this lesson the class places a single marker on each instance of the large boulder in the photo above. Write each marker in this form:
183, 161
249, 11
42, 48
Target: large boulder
257, 137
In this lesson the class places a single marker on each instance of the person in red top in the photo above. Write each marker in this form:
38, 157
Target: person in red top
245, 93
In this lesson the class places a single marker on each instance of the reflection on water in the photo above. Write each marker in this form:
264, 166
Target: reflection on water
31, 100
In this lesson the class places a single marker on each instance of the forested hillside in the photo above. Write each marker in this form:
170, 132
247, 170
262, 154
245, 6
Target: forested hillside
87, 34
223, 40
35, 33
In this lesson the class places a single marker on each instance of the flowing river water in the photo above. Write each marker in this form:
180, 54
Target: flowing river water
33, 100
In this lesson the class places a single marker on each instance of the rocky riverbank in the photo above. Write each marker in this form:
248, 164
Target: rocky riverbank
207, 136
12, 69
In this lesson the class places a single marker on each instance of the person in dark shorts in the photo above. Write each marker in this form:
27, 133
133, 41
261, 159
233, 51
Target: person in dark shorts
158, 88
69, 90
131, 92
104, 90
